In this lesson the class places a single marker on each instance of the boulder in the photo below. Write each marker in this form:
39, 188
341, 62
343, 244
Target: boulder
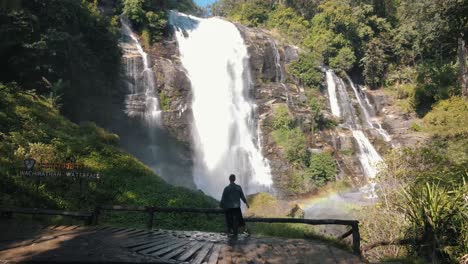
297, 212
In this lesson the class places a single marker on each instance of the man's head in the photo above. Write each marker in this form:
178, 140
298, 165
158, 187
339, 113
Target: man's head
232, 178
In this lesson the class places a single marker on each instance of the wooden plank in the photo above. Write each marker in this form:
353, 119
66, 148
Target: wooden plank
119, 230
179, 250
213, 259
139, 233
202, 254
146, 239
135, 232
191, 251
125, 231
158, 247
170, 248
144, 245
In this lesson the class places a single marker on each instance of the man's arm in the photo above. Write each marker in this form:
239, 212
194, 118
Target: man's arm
223, 198
243, 197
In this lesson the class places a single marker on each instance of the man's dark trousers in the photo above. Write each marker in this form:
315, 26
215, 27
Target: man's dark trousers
234, 220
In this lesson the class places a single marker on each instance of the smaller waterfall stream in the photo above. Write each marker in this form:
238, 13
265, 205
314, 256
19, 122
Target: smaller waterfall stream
335, 108
368, 157
143, 98
366, 110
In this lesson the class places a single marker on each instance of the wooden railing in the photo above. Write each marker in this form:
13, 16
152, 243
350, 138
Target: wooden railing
93, 217
87, 216
151, 211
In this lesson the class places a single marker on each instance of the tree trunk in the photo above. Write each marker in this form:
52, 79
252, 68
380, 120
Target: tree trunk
462, 67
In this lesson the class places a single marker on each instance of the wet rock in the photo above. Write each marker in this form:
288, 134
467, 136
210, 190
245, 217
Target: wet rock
297, 212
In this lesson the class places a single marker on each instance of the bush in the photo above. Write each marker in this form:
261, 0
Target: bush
282, 118
293, 142
305, 69
322, 168
344, 60
448, 118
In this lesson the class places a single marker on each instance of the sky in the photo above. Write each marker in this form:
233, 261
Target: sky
203, 3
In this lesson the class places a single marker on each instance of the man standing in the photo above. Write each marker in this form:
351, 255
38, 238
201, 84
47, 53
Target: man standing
230, 202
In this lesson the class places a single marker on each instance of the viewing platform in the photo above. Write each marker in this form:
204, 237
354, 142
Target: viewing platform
91, 244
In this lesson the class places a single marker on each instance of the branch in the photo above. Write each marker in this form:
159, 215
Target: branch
389, 243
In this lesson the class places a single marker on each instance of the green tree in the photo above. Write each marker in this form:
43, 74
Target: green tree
133, 9
375, 63
322, 168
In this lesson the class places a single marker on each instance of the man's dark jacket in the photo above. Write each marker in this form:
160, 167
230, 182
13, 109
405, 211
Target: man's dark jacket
231, 196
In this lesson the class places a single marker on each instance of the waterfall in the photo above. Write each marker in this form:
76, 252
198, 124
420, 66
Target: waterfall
365, 111
332, 93
279, 76
368, 157
224, 129
142, 99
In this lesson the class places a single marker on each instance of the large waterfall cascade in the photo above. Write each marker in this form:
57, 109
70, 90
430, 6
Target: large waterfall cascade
142, 99
224, 129
342, 106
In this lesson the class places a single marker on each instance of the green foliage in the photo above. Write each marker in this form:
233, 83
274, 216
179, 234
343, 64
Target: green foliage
165, 101
344, 59
322, 168
282, 118
288, 23
133, 9
252, 13
293, 143
146, 38
435, 82
427, 185
438, 217
149, 18
306, 70
49, 41
32, 127
448, 118
156, 23
375, 63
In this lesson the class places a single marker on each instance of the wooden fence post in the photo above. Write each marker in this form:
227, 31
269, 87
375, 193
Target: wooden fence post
151, 218
97, 212
356, 238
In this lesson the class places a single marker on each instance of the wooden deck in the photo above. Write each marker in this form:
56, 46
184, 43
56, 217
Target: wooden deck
112, 244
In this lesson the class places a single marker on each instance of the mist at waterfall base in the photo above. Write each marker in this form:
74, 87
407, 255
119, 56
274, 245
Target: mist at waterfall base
341, 205
137, 120
224, 128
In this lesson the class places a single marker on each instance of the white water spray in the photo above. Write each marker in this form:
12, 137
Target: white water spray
143, 97
224, 128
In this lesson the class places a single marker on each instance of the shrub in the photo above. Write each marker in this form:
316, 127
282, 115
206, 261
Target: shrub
293, 142
448, 118
282, 118
306, 70
322, 168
